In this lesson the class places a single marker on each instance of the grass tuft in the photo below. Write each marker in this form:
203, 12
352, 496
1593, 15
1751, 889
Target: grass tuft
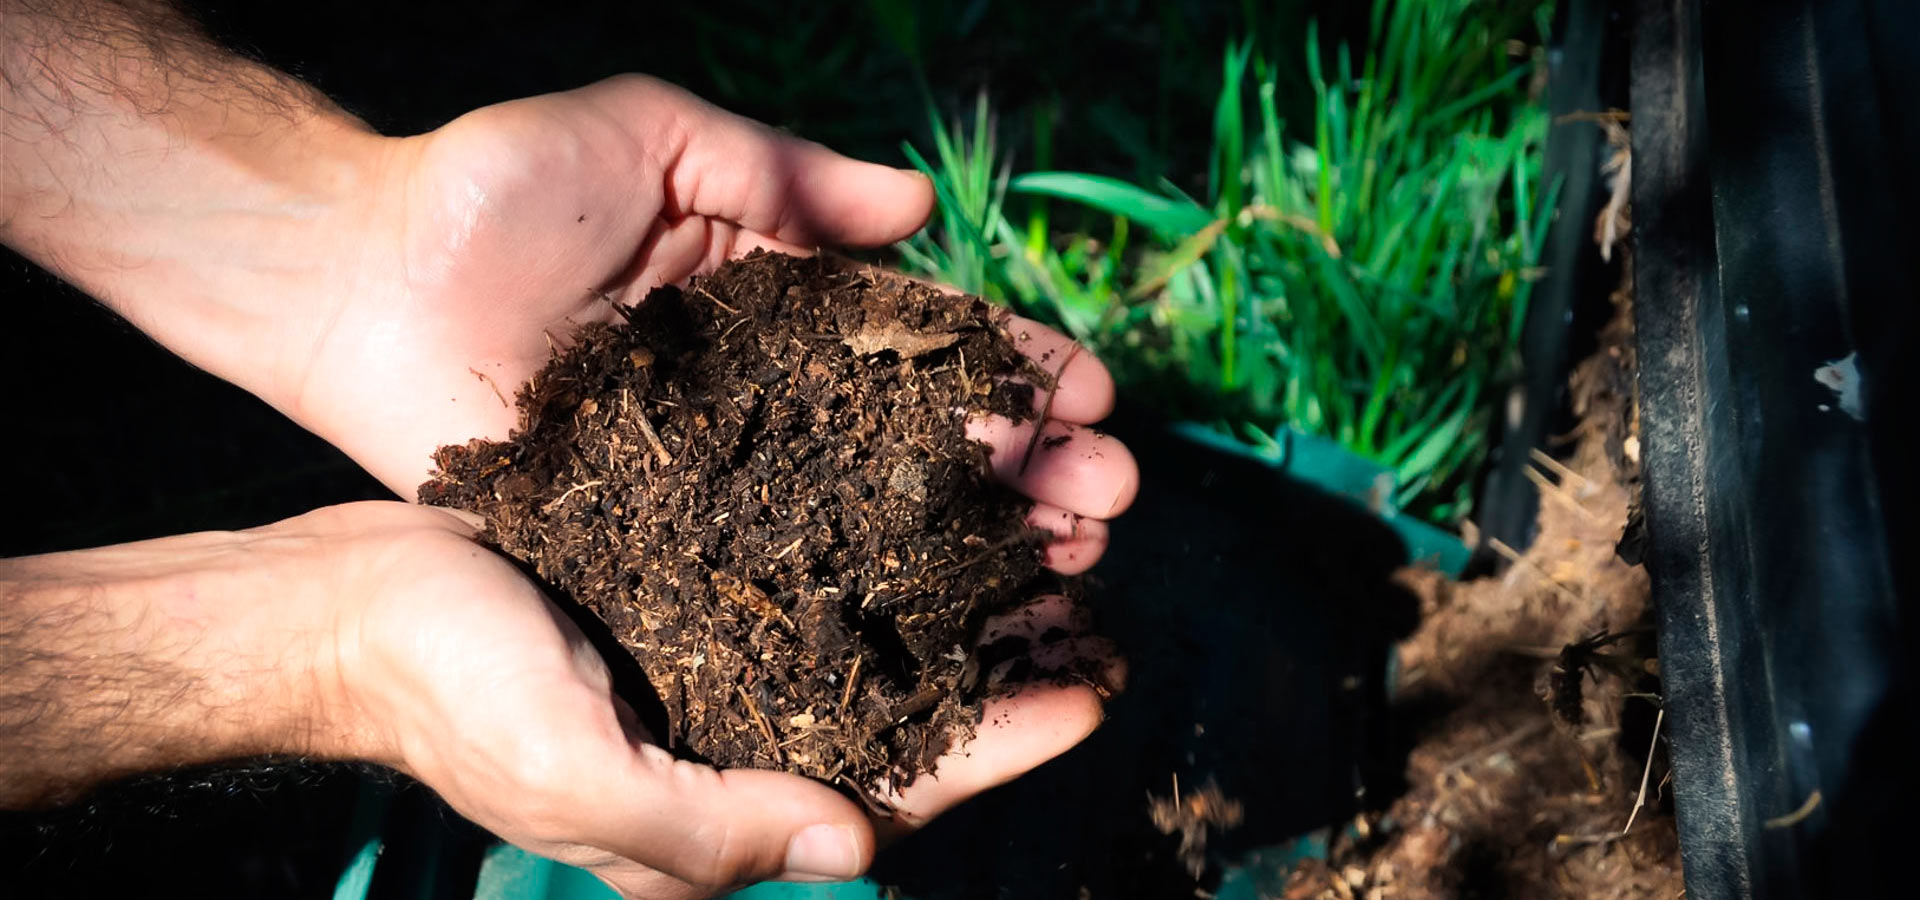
1363, 278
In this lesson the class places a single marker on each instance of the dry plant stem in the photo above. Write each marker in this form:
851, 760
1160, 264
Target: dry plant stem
490, 385
773, 742
653, 440
1514, 556
1512, 738
1604, 837
1797, 816
716, 300
1641, 799
1559, 494
1046, 408
1559, 469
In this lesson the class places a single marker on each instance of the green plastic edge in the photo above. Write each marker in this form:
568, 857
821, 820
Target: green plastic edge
365, 839
1335, 469
358, 877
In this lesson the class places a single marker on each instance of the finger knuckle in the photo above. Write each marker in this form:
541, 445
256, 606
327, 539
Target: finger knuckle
544, 782
718, 851
715, 857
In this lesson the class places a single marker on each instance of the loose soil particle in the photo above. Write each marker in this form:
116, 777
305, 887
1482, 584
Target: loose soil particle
1193, 816
761, 484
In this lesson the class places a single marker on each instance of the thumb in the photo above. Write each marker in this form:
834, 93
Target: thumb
730, 167
716, 829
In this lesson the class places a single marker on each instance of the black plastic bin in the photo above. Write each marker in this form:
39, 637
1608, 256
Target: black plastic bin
1773, 191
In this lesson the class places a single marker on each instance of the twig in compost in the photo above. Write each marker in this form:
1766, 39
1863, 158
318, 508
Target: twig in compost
1641, 799
1504, 742
766, 729
624, 311
1046, 408
716, 300
496, 388
1514, 556
653, 439
1557, 492
555, 502
996, 547
1559, 468
846, 694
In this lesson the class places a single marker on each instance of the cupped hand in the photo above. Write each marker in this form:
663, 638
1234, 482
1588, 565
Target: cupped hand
496, 236
482, 689
488, 240
457, 671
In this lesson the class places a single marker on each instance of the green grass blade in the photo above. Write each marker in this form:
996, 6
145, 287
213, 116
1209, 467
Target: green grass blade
1173, 219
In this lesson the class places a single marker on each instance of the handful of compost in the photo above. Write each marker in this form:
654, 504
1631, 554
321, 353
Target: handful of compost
763, 487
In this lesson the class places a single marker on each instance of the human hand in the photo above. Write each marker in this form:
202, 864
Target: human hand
390, 294
529, 218
483, 243
457, 671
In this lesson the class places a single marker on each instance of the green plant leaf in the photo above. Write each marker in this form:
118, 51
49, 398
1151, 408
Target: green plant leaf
1173, 219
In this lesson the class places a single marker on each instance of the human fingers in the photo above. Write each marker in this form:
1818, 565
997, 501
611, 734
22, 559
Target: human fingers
1077, 469
726, 166
1026, 727
1077, 541
1084, 391
678, 249
550, 763
662, 821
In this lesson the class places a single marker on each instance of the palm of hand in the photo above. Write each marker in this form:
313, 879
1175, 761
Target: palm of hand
499, 233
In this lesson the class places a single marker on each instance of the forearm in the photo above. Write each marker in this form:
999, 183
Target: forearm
157, 654
192, 190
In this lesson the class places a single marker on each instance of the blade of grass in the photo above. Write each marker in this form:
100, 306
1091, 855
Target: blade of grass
1172, 218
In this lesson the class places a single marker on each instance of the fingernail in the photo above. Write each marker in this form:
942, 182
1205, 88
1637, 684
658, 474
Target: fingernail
824, 851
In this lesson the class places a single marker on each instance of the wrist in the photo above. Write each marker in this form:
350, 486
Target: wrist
179, 651
205, 197
232, 263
